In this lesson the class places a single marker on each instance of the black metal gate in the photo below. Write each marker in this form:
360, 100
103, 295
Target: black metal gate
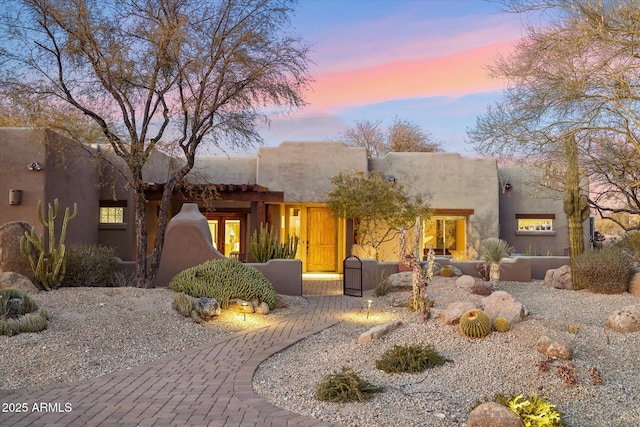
352, 277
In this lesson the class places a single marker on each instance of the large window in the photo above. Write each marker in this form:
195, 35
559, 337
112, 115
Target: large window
447, 235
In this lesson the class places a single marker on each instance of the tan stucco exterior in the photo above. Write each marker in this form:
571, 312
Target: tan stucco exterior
66, 173
303, 170
287, 184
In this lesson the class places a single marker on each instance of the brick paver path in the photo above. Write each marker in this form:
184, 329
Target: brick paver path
205, 386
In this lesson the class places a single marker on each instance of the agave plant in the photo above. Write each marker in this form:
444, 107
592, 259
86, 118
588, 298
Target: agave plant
493, 251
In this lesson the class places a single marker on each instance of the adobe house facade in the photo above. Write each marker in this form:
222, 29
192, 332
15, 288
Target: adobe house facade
284, 186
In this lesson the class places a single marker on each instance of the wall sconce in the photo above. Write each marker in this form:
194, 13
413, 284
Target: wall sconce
507, 186
35, 166
15, 197
392, 179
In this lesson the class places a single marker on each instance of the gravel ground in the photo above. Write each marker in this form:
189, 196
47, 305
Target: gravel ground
500, 363
95, 331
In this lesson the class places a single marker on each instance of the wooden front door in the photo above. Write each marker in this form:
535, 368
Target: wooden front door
322, 240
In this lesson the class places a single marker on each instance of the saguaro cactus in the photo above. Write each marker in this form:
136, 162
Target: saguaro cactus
48, 262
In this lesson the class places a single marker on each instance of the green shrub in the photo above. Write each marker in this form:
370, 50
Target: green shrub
25, 317
345, 386
630, 242
605, 271
413, 358
223, 280
28, 305
382, 287
90, 266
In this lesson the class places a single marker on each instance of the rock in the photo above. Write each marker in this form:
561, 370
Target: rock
401, 281
11, 259
482, 288
502, 304
465, 281
209, 308
402, 300
491, 414
453, 312
557, 349
262, 308
10, 279
378, 331
626, 320
456, 271
559, 278
634, 285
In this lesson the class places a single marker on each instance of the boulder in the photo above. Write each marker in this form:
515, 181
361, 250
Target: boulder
10, 279
626, 320
209, 308
559, 278
491, 414
453, 312
262, 308
378, 331
634, 285
437, 268
401, 281
556, 349
402, 300
11, 259
502, 304
465, 281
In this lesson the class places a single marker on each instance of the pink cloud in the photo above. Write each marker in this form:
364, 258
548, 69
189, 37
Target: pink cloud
452, 75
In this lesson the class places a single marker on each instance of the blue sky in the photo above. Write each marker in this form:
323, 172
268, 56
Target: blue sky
421, 60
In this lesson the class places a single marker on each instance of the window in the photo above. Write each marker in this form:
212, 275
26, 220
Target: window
111, 215
535, 223
112, 212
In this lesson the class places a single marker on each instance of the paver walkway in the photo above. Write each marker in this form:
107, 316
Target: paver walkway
206, 386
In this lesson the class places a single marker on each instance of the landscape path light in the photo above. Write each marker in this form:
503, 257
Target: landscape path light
368, 307
244, 310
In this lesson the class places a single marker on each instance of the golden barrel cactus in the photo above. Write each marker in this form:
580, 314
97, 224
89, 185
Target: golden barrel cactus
501, 325
475, 324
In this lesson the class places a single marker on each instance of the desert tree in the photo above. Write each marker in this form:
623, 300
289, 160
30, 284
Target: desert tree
401, 136
177, 74
570, 81
379, 208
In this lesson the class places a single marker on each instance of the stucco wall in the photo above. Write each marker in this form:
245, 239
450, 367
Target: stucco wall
451, 182
525, 196
303, 170
224, 170
67, 174
20, 147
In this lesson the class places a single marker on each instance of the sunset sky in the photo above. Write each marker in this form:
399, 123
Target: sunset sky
421, 60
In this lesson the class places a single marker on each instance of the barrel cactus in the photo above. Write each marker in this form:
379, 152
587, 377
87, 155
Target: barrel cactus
475, 324
447, 271
501, 325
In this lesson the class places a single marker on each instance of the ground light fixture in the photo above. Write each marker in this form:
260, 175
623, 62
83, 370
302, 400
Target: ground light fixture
244, 310
368, 307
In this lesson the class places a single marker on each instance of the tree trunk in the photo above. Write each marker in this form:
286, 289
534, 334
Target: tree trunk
572, 208
141, 231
